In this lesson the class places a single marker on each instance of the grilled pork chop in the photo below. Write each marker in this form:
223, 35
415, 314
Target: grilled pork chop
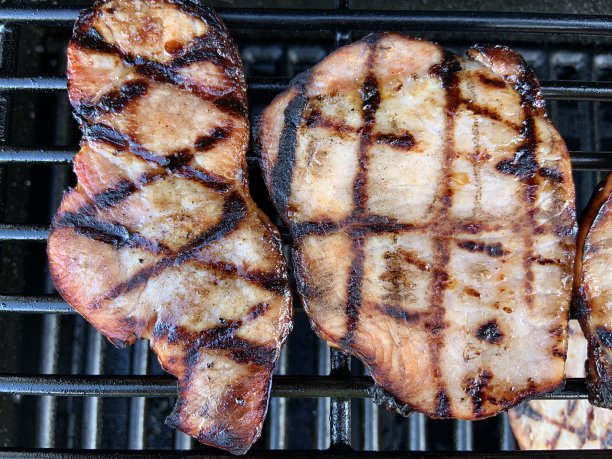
593, 291
564, 424
431, 205
160, 238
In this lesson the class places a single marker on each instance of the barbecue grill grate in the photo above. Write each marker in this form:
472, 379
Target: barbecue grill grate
117, 399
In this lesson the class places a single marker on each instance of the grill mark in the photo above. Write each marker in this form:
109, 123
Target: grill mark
493, 250
489, 113
399, 313
209, 141
316, 119
271, 281
370, 99
370, 102
108, 232
208, 48
404, 141
446, 71
212, 181
355, 281
114, 195
221, 338
282, 172
554, 174
475, 388
493, 82
102, 133
175, 163
443, 408
86, 36
605, 336
490, 332
115, 100
234, 211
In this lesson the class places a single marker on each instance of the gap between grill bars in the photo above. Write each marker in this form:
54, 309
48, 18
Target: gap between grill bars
339, 384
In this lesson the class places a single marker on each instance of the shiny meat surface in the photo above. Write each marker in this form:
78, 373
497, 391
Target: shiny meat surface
432, 209
593, 291
564, 424
160, 239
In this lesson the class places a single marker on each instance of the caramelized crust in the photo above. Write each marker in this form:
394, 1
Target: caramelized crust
160, 239
593, 291
432, 209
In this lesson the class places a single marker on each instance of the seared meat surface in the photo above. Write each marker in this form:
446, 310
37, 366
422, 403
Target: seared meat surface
160, 239
593, 291
431, 205
564, 424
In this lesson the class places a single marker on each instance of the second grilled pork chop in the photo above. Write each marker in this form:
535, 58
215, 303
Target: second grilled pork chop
432, 209
564, 424
593, 291
160, 239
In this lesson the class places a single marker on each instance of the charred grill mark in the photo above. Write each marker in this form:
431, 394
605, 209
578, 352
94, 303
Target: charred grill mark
101, 132
493, 82
210, 141
446, 71
114, 101
404, 141
370, 97
554, 174
222, 337
354, 286
234, 211
211, 180
489, 113
399, 313
443, 408
273, 282
605, 336
475, 388
114, 195
546, 261
86, 36
524, 164
493, 250
490, 332
111, 233
316, 119
525, 409
282, 173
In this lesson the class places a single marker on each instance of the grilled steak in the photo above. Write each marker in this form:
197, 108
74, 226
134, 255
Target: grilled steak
431, 205
593, 291
160, 238
564, 424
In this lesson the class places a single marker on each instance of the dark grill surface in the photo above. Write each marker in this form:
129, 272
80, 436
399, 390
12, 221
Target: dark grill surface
65, 387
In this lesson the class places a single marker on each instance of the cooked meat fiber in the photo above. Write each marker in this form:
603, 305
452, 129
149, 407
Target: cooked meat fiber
431, 204
160, 239
593, 291
564, 424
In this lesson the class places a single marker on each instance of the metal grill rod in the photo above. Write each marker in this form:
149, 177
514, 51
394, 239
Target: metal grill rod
343, 387
581, 160
552, 90
472, 21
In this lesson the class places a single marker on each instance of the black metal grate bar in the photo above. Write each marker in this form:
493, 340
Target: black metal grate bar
552, 90
338, 386
581, 160
12, 453
472, 21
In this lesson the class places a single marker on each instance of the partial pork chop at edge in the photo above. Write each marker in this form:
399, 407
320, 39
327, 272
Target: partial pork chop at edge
160, 239
593, 291
432, 209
